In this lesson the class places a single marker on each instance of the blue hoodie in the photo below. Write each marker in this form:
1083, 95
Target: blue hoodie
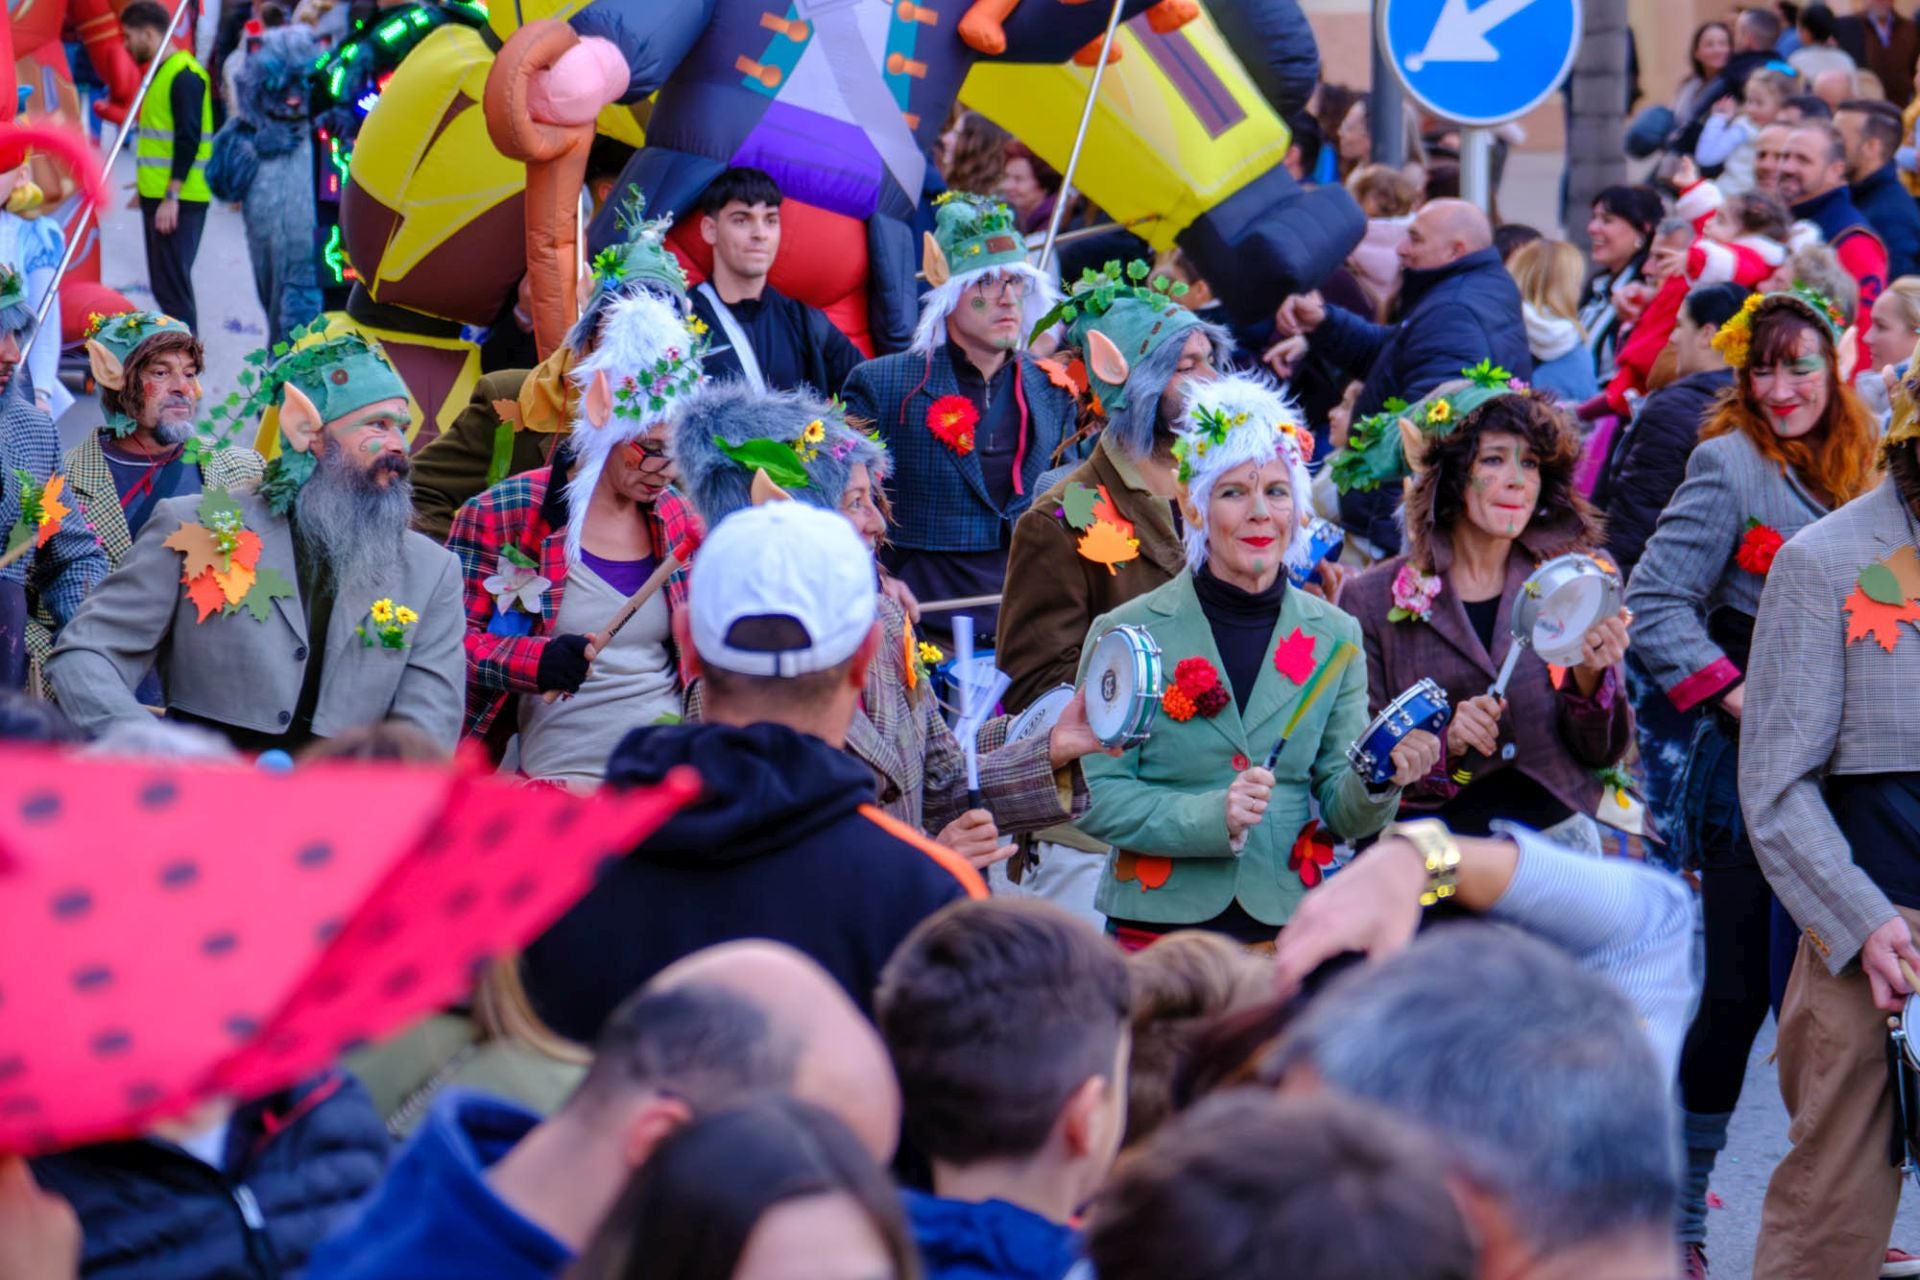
965, 1240
435, 1216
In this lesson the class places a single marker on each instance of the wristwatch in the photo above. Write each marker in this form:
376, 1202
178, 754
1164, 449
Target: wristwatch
1437, 849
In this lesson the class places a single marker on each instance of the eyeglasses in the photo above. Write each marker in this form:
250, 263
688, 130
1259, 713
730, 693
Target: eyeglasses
1011, 288
647, 455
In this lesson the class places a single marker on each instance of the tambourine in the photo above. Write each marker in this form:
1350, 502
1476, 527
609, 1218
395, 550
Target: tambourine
1554, 609
1042, 715
1424, 706
1123, 685
1903, 1070
1325, 540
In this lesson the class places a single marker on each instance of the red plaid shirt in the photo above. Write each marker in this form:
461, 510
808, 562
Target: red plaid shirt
522, 512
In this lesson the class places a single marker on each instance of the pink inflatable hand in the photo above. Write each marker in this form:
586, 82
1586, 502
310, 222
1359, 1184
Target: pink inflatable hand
585, 78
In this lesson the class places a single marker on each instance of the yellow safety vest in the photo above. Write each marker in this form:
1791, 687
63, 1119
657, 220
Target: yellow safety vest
153, 139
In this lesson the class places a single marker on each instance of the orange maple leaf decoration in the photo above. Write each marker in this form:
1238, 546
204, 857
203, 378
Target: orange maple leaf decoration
1867, 617
1105, 510
206, 595
1103, 544
195, 542
209, 584
1149, 871
52, 511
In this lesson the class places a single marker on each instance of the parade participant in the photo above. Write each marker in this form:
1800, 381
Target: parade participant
54, 576
518, 417
725, 436
148, 370
970, 420
1491, 499
785, 844
1790, 443
170, 149
1210, 828
764, 338
308, 607
549, 557
1140, 349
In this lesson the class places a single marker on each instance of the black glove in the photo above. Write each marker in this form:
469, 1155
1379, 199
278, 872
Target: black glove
563, 664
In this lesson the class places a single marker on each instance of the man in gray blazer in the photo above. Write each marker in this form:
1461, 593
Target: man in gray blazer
294, 610
1830, 786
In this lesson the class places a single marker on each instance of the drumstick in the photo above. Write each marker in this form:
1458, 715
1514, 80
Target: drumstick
1476, 759
655, 580
1343, 653
1906, 971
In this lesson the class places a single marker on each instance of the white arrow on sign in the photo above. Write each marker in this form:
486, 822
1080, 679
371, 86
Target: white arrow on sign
1460, 34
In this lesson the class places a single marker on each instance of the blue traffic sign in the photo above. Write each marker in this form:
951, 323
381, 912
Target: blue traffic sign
1480, 64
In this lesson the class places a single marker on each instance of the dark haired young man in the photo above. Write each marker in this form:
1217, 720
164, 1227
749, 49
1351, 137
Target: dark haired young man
1007, 1022
759, 334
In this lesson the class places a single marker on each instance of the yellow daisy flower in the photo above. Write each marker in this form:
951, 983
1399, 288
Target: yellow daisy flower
382, 611
406, 616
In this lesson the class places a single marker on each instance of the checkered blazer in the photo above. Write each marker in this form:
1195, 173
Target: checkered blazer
940, 499
59, 575
529, 513
1816, 706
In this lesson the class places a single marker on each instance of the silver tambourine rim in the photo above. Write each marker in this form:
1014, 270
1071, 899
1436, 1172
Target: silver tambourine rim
1554, 574
1359, 757
1144, 653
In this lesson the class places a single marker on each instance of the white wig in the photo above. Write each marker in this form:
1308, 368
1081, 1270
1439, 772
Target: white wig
647, 363
939, 303
1260, 425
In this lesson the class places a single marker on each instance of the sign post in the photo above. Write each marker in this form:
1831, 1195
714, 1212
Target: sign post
1478, 66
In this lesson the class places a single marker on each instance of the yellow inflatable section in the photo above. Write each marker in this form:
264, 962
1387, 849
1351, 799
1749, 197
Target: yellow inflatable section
1178, 127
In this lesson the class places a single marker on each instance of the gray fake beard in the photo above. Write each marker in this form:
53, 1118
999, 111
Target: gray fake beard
350, 522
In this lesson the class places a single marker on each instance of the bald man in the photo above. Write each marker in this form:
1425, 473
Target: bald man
1458, 306
486, 1187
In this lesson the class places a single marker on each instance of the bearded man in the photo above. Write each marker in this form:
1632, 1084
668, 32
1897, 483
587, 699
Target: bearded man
295, 610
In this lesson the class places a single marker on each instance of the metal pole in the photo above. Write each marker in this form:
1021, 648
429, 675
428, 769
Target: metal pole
77, 233
1080, 137
1386, 107
1476, 168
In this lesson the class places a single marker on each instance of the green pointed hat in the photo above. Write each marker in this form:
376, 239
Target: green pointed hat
1127, 311
338, 373
643, 258
1375, 453
111, 342
13, 288
970, 233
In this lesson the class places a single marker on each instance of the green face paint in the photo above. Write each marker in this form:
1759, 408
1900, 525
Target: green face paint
1806, 365
979, 303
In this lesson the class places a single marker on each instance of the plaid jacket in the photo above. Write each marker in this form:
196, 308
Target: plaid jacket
1819, 705
917, 764
59, 575
940, 500
529, 513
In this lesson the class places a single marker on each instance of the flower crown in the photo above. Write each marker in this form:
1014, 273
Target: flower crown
786, 462
267, 370
613, 265
1095, 292
1214, 424
643, 397
1734, 340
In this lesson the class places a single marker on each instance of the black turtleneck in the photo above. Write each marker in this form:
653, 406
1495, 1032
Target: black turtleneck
1243, 624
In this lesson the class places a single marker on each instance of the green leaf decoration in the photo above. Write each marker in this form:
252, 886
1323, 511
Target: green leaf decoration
269, 584
281, 482
516, 557
1489, 375
214, 502
666, 717
1079, 503
778, 460
1880, 586
280, 349
21, 534
1394, 405
1137, 270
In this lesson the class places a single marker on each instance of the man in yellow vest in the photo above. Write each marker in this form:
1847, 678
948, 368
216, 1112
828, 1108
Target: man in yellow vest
173, 139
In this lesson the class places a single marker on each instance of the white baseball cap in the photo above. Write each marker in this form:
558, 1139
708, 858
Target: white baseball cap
782, 561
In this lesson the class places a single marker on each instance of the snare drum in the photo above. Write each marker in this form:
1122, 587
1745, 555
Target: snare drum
1903, 1068
1562, 600
1424, 706
1123, 686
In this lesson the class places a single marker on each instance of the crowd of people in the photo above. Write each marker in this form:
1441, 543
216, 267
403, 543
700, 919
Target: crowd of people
1299, 902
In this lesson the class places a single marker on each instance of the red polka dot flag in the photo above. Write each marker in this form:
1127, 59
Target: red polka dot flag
172, 932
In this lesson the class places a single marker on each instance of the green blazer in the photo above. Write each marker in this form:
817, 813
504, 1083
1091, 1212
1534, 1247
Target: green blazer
1167, 797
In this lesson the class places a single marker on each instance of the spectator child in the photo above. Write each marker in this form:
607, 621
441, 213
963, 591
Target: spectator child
1726, 140
1007, 1022
1742, 242
1550, 274
1181, 984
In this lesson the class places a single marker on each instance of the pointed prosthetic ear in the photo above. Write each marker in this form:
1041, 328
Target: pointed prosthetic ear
1105, 359
107, 370
300, 421
1413, 446
764, 490
934, 262
598, 402
1189, 512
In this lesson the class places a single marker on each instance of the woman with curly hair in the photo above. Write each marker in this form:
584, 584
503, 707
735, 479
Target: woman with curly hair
1789, 442
1490, 500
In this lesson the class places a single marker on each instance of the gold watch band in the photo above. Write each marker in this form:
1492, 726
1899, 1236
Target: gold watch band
1438, 850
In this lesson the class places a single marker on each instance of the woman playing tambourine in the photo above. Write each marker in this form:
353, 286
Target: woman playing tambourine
1205, 833
1492, 497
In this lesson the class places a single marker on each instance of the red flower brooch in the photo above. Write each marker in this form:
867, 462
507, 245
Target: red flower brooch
1196, 688
1758, 546
952, 420
1312, 854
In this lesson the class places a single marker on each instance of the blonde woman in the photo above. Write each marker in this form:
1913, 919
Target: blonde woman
1551, 275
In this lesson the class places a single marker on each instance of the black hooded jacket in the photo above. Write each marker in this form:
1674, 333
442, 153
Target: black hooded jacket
783, 844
